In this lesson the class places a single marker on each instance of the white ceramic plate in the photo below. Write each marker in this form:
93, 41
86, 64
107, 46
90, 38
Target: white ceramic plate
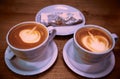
21, 67
68, 50
61, 30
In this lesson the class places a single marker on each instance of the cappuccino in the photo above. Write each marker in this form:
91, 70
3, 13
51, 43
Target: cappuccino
93, 39
26, 36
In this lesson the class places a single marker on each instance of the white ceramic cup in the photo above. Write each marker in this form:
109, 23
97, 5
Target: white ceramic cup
88, 57
34, 53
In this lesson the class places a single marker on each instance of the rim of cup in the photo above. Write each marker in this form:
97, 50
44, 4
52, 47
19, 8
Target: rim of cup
96, 26
28, 49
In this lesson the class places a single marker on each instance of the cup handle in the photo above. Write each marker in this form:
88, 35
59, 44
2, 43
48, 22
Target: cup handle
11, 54
52, 33
114, 36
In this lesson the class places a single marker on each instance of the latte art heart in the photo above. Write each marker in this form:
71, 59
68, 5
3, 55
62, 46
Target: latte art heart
95, 43
29, 37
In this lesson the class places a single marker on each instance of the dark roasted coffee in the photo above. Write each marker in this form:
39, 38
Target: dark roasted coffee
93, 39
28, 35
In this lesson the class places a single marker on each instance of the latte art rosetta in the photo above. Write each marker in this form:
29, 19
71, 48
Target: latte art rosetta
29, 37
95, 43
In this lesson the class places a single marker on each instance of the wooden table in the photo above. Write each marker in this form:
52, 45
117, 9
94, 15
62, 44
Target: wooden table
103, 13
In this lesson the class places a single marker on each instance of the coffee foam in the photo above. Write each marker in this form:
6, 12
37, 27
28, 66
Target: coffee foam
95, 43
93, 39
29, 36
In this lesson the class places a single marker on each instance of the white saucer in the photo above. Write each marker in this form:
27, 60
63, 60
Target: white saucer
61, 30
22, 67
68, 50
